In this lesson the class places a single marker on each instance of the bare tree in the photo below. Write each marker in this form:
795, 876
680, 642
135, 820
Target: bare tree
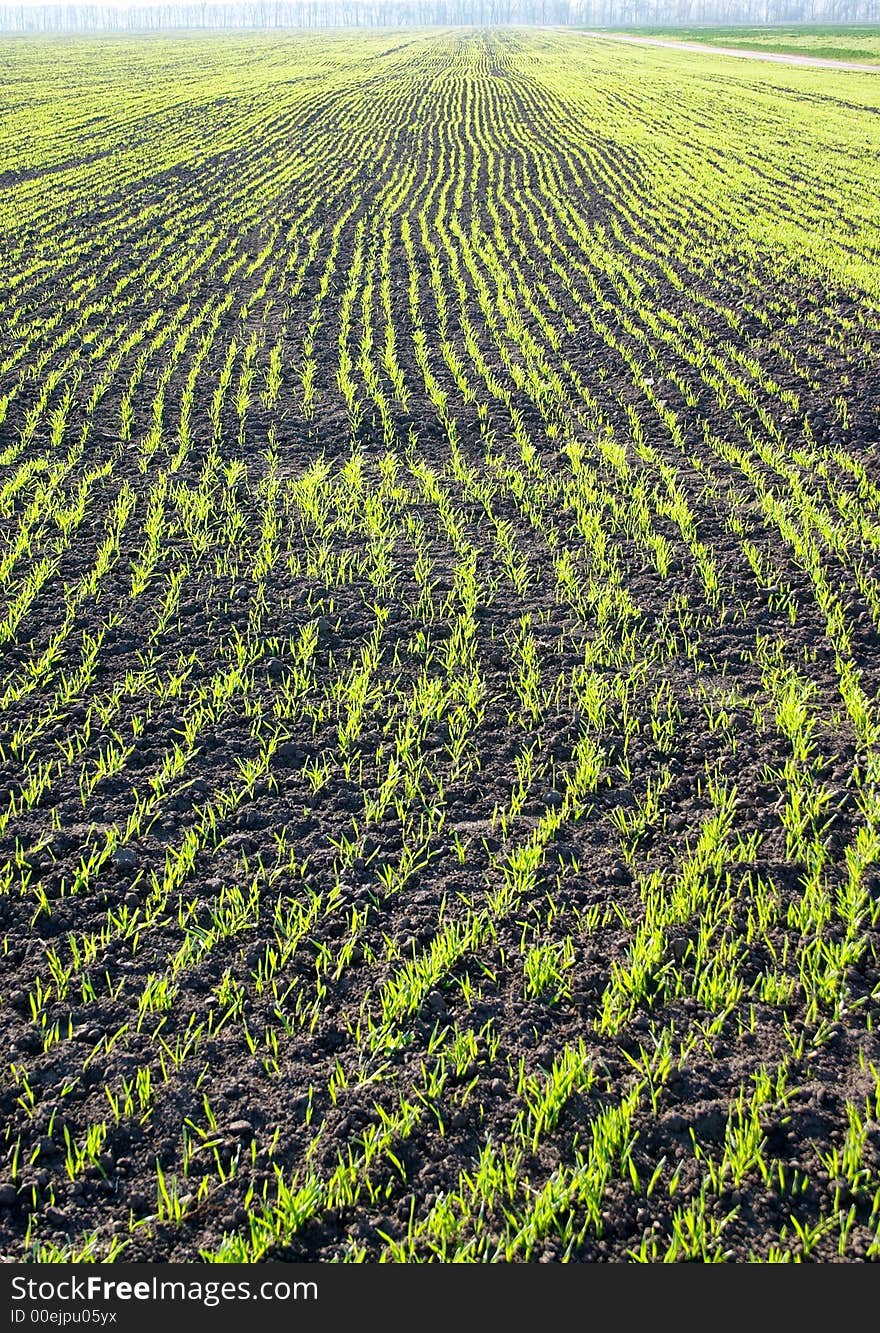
256, 14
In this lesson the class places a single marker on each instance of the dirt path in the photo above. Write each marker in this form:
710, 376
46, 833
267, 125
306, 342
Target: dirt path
776, 57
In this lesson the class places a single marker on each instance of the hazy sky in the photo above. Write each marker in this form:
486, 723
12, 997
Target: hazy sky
108, 4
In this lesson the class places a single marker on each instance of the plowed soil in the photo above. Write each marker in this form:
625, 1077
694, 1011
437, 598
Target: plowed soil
440, 671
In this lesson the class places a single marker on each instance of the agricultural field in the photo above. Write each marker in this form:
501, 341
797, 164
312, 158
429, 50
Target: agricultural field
440, 813
825, 42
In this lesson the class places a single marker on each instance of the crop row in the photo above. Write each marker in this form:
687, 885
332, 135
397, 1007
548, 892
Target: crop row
440, 804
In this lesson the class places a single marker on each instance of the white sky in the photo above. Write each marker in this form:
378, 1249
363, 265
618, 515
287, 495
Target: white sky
104, 4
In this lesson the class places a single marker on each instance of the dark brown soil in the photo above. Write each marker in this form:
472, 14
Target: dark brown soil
288, 1085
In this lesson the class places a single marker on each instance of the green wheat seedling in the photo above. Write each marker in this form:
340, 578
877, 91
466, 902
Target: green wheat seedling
439, 545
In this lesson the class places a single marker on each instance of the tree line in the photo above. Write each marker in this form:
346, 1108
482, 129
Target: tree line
426, 13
